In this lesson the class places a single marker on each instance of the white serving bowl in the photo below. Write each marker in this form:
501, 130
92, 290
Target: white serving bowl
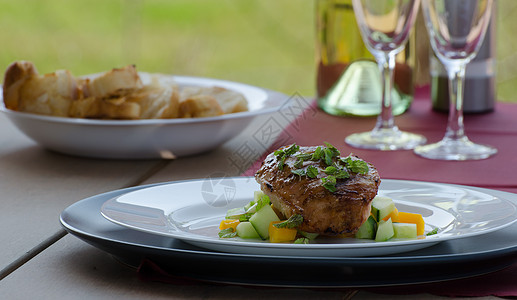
147, 139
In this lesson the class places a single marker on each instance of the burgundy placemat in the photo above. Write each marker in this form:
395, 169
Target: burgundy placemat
499, 129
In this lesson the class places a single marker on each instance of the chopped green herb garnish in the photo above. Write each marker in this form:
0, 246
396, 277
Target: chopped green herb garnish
263, 201
342, 174
356, 166
298, 164
299, 172
329, 153
334, 150
359, 166
227, 233
292, 149
434, 231
279, 152
317, 154
301, 241
328, 156
330, 170
336, 167
311, 172
281, 162
282, 154
292, 222
329, 183
304, 156
245, 217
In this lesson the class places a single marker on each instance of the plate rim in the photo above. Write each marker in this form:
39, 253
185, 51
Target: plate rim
102, 197
199, 239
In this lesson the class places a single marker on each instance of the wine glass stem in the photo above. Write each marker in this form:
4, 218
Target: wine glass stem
455, 128
386, 63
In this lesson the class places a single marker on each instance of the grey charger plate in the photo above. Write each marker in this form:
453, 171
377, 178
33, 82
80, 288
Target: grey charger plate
445, 261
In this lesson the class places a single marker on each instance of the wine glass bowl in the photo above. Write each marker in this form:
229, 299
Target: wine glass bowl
456, 30
385, 28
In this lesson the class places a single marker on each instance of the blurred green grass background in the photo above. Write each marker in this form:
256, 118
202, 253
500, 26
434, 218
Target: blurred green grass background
265, 43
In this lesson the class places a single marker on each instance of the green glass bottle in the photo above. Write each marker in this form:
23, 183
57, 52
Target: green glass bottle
348, 78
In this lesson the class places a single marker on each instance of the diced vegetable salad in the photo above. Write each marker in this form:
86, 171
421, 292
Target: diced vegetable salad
260, 220
386, 222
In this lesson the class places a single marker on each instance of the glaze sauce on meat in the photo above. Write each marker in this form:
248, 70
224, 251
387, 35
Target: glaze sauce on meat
330, 201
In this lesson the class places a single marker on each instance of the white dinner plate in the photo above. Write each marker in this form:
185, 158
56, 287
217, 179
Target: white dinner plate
461, 258
152, 138
191, 211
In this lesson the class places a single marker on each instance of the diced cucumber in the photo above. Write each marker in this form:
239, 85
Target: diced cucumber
261, 220
384, 231
404, 230
257, 195
246, 231
252, 209
235, 213
381, 207
250, 204
367, 229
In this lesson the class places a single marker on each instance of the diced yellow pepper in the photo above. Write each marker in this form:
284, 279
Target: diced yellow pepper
405, 217
279, 235
394, 214
227, 223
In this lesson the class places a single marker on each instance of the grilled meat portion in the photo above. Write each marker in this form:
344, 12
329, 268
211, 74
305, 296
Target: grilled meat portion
332, 193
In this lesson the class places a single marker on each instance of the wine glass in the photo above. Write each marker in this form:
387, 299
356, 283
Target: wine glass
456, 29
385, 27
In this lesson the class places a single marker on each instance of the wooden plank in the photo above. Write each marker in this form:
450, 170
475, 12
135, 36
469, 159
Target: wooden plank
72, 269
36, 185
